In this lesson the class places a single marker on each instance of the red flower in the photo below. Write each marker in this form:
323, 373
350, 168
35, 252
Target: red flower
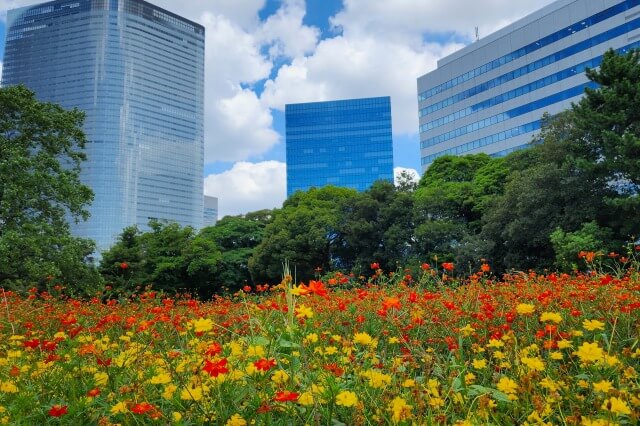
142, 408
485, 267
58, 410
213, 349
93, 392
425, 266
33, 343
265, 364
447, 266
375, 266
124, 265
215, 368
246, 289
285, 396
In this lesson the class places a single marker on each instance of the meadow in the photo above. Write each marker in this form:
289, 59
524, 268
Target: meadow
392, 348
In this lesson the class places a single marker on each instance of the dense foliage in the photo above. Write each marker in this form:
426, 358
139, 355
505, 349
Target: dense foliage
41, 150
393, 349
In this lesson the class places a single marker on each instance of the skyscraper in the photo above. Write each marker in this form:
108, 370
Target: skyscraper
138, 72
344, 143
490, 96
210, 214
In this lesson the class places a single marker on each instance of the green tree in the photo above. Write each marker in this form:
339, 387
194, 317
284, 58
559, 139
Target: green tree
168, 257
607, 124
236, 237
449, 203
41, 151
545, 190
567, 245
376, 226
303, 232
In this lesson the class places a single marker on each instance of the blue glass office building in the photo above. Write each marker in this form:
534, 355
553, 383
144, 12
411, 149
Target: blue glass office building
138, 72
343, 143
490, 96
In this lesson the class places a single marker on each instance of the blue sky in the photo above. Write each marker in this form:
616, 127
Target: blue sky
262, 54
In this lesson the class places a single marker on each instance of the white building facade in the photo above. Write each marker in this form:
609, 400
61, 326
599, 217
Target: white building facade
490, 96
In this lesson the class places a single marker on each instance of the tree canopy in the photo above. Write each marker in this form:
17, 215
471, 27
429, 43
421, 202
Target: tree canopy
41, 152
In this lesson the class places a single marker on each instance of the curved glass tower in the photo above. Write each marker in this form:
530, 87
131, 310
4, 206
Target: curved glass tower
138, 72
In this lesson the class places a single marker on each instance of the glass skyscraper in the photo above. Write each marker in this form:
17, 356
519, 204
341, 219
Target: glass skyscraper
138, 72
343, 143
490, 96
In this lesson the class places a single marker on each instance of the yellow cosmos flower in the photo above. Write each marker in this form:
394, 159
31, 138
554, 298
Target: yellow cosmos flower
8, 387
330, 350
525, 309
589, 352
202, 325
161, 378
400, 410
176, 416
119, 408
280, 377
256, 350
603, 386
508, 386
564, 344
346, 399
236, 420
362, 338
616, 406
377, 379
592, 325
191, 393
551, 317
549, 384
310, 338
303, 311
467, 330
305, 398
168, 392
100, 378
495, 343
408, 383
533, 363
469, 378
479, 364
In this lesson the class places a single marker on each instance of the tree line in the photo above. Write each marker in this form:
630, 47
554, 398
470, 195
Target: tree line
574, 189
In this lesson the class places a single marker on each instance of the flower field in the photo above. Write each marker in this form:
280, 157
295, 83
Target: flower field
393, 349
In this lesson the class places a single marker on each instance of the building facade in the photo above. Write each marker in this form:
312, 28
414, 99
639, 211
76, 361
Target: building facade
138, 72
210, 217
490, 96
344, 143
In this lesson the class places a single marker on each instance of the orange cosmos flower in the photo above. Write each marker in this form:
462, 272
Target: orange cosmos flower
447, 266
142, 408
264, 364
285, 396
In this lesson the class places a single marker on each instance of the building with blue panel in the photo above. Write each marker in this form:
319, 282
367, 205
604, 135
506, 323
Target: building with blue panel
490, 96
343, 143
138, 72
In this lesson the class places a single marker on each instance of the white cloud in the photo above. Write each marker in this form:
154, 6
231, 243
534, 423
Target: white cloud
413, 173
248, 187
237, 125
359, 66
285, 33
408, 19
